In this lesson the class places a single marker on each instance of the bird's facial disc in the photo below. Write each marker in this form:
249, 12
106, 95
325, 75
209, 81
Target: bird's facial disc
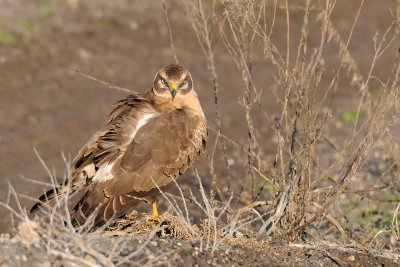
172, 80
164, 85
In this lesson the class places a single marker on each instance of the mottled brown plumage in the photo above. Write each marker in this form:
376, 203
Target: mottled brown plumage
173, 71
149, 140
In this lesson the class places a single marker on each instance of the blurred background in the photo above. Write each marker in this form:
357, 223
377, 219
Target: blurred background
46, 106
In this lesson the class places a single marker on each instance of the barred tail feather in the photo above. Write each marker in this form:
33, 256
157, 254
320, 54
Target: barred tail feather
104, 209
50, 195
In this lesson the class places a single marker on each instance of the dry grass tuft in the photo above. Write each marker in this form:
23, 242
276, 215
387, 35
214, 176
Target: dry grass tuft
138, 224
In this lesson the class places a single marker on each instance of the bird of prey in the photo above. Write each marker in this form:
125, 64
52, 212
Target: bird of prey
150, 139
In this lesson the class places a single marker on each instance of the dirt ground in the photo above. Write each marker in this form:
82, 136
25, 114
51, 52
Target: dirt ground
173, 252
44, 105
166, 249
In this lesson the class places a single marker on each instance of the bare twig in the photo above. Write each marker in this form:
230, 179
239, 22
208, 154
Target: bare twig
171, 39
107, 84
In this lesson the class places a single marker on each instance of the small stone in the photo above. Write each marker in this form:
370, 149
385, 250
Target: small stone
133, 25
27, 232
351, 258
237, 234
84, 54
393, 239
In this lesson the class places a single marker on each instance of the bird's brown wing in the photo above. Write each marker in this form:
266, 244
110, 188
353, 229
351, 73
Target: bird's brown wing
103, 148
108, 144
160, 151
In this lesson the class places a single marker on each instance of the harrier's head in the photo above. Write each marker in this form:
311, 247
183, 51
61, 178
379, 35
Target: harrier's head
171, 81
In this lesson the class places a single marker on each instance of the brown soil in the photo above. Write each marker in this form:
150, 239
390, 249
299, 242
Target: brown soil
166, 249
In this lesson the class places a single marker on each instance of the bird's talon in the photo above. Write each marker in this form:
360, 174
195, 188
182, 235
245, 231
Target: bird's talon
154, 218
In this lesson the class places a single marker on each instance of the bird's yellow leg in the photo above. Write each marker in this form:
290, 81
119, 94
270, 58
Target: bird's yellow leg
155, 216
155, 210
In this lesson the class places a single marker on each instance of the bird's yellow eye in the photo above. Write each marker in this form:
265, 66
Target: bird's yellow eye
183, 84
163, 82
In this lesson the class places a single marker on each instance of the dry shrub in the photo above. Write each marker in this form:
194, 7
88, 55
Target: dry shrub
309, 174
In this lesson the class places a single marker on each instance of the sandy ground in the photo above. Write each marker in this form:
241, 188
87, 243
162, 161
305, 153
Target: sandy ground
165, 249
47, 106
173, 252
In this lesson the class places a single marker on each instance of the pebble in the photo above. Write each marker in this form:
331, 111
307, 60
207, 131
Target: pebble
133, 25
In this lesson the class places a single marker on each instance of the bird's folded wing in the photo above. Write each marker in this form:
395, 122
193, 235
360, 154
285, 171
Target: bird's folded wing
105, 146
160, 151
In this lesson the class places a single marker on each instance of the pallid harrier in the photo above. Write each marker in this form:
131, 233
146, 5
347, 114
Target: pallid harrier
150, 139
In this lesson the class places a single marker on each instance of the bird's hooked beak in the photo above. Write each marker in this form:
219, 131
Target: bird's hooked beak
173, 89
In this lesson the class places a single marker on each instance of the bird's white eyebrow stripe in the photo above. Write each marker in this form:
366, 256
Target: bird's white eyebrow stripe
183, 76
